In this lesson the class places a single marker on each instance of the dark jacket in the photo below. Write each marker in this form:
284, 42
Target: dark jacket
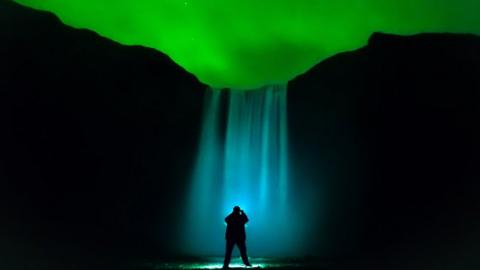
236, 226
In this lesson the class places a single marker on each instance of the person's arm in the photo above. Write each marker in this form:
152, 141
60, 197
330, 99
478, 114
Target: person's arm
245, 217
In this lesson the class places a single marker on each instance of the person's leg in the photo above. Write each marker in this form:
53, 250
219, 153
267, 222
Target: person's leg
228, 253
243, 251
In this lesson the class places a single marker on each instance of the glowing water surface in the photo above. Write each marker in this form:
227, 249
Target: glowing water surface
216, 263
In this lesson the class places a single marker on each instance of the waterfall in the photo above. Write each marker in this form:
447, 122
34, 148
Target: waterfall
243, 161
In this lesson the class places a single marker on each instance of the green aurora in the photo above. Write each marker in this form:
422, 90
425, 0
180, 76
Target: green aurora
249, 43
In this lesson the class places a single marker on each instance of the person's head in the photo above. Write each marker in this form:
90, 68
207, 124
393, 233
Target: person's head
236, 209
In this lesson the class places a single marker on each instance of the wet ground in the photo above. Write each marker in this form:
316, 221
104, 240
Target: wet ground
217, 263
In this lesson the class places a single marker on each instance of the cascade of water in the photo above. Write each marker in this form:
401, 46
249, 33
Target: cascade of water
248, 168
206, 177
255, 171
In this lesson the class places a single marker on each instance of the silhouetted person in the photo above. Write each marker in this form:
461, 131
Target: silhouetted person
235, 234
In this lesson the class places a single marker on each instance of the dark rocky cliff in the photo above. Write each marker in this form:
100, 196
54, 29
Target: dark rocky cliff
392, 132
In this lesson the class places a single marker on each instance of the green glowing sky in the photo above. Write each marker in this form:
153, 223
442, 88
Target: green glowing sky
249, 43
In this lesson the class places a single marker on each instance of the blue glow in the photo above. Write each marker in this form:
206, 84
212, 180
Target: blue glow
200, 222
216, 263
248, 166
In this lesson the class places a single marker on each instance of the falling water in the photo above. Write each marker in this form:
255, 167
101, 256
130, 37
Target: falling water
241, 162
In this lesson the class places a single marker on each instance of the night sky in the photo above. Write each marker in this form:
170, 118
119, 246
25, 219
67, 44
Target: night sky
98, 141
247, 44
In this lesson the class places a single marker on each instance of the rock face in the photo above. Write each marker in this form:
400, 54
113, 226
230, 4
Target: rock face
97, 142
392, 132
91, 131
